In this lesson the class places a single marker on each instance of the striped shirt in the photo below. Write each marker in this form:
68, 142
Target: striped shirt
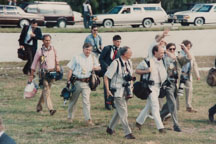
82, 66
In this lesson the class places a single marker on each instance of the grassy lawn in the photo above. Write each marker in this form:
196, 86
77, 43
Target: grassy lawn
113, 29
26, 126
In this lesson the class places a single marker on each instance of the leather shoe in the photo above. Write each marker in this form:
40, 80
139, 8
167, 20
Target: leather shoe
211, 117
110, 131
52, 112
190, 109
130, 136
177, 129
162, 131
139, 126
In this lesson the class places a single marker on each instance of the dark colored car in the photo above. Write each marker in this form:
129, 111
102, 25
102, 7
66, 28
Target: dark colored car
55, 13
15, 16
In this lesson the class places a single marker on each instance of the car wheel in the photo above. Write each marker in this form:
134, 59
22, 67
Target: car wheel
61, 24
198, 21
135, 26
108, 23
185, 24
147, 23
23, 22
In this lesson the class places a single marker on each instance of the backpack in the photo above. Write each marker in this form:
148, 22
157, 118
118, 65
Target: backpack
211, 77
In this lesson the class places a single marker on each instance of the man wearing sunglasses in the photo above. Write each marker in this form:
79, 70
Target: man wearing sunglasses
173, 64
95, 40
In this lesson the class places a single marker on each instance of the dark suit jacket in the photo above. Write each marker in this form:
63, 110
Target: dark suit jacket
105, 59
38, 36
5, 139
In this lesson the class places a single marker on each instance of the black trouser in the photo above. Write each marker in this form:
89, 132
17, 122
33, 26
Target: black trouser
105, 97
30, 53
212, 110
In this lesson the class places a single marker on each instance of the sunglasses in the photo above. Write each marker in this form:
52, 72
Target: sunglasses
95, 30
172, 49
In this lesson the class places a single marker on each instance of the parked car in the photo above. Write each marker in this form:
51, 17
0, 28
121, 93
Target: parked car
77, 16
134, 15
55, 13
15, 16
200, 14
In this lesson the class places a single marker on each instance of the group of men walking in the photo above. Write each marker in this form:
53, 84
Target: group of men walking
162, 67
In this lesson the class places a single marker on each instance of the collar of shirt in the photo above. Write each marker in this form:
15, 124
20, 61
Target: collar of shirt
1, 133
46, 49
156, 60
84, 56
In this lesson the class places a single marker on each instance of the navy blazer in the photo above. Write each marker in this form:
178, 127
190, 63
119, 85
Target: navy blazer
5, 139
105, 59
38, 36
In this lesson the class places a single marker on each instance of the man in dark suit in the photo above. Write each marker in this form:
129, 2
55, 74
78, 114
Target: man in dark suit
4, 138
108, 54
28, 39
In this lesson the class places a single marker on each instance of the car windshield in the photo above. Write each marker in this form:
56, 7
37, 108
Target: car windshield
196, 7
204, 8
115, 10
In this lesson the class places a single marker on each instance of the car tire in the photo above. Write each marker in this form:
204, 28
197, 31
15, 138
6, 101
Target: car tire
147, 23
108, 23
61, 24
23, 22
135, 26
199, 21
185, 24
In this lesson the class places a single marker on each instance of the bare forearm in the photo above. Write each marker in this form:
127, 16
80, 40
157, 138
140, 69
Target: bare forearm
69, 75
106, 82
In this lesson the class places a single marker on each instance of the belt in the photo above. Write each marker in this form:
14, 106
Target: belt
83, 80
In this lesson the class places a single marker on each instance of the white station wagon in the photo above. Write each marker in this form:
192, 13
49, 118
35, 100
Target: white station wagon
134, 15
200, 14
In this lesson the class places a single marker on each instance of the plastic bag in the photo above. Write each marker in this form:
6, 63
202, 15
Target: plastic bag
30, 90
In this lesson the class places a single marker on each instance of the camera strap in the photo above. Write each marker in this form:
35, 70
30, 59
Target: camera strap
148, 64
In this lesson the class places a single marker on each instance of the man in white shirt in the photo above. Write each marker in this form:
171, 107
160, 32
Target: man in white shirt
81, 67
87, 13
158, 74
116, 72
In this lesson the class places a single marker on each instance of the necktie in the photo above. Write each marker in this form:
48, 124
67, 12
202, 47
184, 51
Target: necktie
115, 53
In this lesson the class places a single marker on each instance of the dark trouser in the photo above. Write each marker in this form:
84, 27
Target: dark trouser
212, 110
170, 105
30, 52
86, 20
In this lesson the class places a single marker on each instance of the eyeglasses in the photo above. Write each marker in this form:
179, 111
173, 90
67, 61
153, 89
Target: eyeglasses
172, 49
95, 30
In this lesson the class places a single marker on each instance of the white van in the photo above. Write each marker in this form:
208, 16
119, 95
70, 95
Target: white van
134, 15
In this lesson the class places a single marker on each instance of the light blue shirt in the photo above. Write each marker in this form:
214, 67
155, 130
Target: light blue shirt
187, 67
28, 36
82, 66
96, 42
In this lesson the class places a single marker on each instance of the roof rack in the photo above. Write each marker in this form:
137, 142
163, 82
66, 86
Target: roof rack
49, 2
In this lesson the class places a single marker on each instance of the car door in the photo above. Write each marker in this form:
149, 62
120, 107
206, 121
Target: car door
124, 16
136, 15
2, 16
11, 17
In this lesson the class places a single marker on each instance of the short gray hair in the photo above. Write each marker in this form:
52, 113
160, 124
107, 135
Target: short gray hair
123, 50
46, 35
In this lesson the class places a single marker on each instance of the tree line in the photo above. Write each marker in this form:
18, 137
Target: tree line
103, 6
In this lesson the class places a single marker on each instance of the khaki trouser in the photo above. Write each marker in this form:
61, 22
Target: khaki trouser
81, 87
120, 113
188, 93
45, 96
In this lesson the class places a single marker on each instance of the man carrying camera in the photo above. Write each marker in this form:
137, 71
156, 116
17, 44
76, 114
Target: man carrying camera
109, 53
95, 40
81, 67
173, 65
48, 62
120, 75
158, 75
186, 77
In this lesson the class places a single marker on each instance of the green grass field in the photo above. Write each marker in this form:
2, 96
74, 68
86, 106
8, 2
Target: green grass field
26, 126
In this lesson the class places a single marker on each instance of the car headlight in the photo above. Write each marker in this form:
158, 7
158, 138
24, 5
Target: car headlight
186, 17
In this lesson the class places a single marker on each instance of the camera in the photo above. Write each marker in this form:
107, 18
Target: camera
183, 80
110, 99
128, 78
126, 85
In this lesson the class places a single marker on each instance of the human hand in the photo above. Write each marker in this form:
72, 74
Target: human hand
58, 68
32, 35
109, 93
30, 78
21, 46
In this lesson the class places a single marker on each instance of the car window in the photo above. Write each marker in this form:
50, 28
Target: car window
137, 9
115, 10
126, 11
31, 9
152, 9
196, 7
205, 8
45, 9
10, 10
1, 10
62, 9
